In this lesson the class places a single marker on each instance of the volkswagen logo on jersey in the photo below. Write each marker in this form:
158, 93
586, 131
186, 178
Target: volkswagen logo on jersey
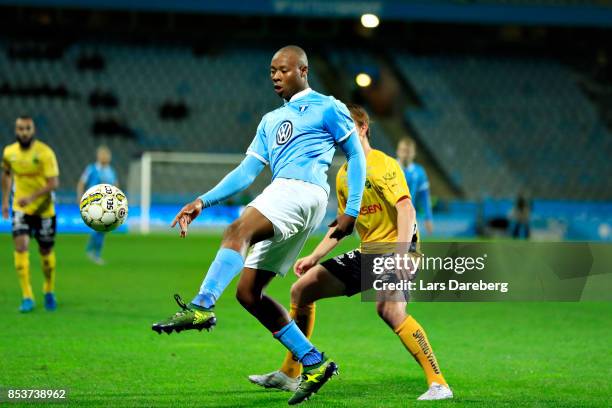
284, 132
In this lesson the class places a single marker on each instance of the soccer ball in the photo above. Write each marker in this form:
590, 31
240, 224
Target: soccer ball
104, 207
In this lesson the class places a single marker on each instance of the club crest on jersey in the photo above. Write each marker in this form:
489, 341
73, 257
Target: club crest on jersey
284, 132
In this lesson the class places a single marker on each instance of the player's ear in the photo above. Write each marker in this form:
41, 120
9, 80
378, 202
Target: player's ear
304, 71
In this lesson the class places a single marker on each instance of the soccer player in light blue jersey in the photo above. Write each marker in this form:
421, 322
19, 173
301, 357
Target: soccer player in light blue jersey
417, 180
297, 141
100, 172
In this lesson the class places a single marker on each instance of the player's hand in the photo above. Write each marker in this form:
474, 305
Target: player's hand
429, 227
187, 214
304, 264
344, 226
406, 271
24, 201
5, 211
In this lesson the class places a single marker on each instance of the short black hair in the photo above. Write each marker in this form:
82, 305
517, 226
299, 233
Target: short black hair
25, 117
299, 51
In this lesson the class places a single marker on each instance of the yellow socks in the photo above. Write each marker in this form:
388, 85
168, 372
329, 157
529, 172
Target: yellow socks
48, 267
305, 318
415, 340
22, 265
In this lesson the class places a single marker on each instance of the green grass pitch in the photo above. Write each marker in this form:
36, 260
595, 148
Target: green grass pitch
99, 344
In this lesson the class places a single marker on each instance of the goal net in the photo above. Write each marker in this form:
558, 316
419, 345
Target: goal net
159, 183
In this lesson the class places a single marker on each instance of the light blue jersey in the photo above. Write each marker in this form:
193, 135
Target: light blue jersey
298, 139
418, 184
97, 174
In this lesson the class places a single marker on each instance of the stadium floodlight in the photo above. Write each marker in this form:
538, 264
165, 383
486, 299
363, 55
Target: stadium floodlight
370, 20
363, 80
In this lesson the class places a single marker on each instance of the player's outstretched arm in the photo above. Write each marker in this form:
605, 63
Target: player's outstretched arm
356, 175
235, 181
52, 184
406, 220
326, 245
6, 188
80, 189
83, 181
406, 223
186, 215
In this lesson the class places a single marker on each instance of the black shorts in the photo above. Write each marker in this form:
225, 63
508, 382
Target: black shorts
348, 269
42, 229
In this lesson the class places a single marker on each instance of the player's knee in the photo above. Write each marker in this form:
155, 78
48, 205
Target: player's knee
45, 250
231, 231
21, 246
243, 297
386, 310
296, 294
380, 309
236, 236
247, 298
392, 313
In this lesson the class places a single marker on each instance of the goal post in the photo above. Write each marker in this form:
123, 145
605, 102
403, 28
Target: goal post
150, 158
174, 178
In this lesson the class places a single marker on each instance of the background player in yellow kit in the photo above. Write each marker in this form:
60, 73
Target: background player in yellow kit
386, 216
32, 166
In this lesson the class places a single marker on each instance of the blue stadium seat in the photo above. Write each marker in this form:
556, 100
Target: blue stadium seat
503, 125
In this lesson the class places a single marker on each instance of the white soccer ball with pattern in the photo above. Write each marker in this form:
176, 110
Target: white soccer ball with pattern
104, 207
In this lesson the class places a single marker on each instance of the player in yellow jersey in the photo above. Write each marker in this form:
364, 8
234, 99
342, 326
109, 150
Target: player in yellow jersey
386, 216
32, 167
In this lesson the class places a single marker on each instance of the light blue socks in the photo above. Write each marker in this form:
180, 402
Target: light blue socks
227, 264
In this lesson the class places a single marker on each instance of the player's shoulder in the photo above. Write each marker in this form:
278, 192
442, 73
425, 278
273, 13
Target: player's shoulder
329, 101
382, 167
381, 160
322, 102
267, 115
419, 168
379, 155
11, 148
42, 147
416, 166
314, 95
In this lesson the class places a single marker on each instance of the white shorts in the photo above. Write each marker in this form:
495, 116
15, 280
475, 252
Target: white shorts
295, 208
